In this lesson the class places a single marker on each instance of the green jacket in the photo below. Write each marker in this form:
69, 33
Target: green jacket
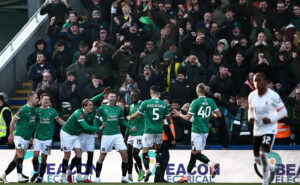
82, 73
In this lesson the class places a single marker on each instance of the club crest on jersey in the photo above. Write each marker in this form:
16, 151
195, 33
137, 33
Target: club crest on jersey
267, 102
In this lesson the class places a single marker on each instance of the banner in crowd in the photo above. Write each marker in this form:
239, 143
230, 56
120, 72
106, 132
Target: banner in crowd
236, 166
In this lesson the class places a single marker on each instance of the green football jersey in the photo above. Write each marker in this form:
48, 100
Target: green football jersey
202, 108
154, 111
138, 122
26, 122
90, 121
112, 116
44, 128
78, 123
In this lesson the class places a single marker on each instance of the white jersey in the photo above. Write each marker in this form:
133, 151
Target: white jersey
264, 106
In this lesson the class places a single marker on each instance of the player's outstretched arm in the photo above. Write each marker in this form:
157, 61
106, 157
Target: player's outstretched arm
61, 121
97, 97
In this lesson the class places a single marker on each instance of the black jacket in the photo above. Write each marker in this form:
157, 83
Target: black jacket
74, 98
183, 92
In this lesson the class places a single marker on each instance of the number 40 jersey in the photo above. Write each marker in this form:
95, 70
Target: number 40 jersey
201, 109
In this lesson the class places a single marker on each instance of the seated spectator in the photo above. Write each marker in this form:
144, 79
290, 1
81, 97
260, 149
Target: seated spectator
194, 70
81, 70
101, 62
61, 60
5, 116
126, 88
95, 87
40, 45
36, 70
181, 90
49, 86
70, 91
83, 49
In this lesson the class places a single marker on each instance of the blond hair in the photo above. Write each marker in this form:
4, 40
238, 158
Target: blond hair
202, 88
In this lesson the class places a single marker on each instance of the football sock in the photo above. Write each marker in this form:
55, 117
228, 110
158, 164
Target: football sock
130, 163
98, 169
78, 165
158, 155
146, 160
191, 164
20, 165
265, 166
89, 163
43, 169
10, 167
35, 163
138, 161
202, 158
65, 166
124, 168
73, 163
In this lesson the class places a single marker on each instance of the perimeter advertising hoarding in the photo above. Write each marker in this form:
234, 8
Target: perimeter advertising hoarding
235, 166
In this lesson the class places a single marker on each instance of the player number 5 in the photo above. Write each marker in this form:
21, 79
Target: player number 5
155, 114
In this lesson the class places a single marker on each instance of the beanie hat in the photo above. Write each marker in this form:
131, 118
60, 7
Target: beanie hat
168, 54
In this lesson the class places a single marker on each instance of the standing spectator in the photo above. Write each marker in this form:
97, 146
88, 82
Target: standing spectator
194, 70
83, 49
81, 70
239, 71
73, 18
258, 14
181, 90
40, 45
61, 60
71, 92
101, 62
150, 56
5, 118
248, 85
36, 70
227, 25
124, 19
50, 87
104, 6
93, 88
126, 89
57, 9
280, 18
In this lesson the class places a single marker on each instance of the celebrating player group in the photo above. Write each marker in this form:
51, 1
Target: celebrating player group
145, 127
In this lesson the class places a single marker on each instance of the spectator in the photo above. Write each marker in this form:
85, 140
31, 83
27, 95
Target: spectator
126, 88
146, 80
150, 56
296, 18
57, 9
123, 56
226, 27
61, 60
258, 14
280, 18
179, 123
181, 90
36, 70
239, 71
49, 86
81, 70
70, 91
222, 84
248, 85
242, 16
296, 64
94, 88
205, 24
83, 49
262, 65
124, 19
194, 70
73, 18
177, 53
40, 45
101, 62
93, 26
103, 6
169, 69
5, 118
214, 66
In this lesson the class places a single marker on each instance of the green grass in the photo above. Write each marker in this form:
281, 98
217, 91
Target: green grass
167, 183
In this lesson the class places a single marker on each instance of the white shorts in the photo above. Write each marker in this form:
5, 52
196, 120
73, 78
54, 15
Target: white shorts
149, 139
135, 141
87, 142
110, 141
198, 141
43, 146
68, 142
21, 143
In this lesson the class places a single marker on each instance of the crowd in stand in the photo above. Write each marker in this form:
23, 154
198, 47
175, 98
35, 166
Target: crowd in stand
176, 44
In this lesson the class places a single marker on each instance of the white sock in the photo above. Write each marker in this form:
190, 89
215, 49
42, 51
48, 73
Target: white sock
20, 176
210, 164
265, 167
257, 160
63, 174
123, 177
129, 175
86, 176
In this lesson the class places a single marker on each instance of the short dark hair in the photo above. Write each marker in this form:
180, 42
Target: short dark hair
85, 102
96, 76
40, 53
262, 75
29, 95
44, 94
155, 89
111, 91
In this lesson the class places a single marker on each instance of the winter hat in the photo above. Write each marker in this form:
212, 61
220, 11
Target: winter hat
237, 24
168, 54
96, 12
223, 41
